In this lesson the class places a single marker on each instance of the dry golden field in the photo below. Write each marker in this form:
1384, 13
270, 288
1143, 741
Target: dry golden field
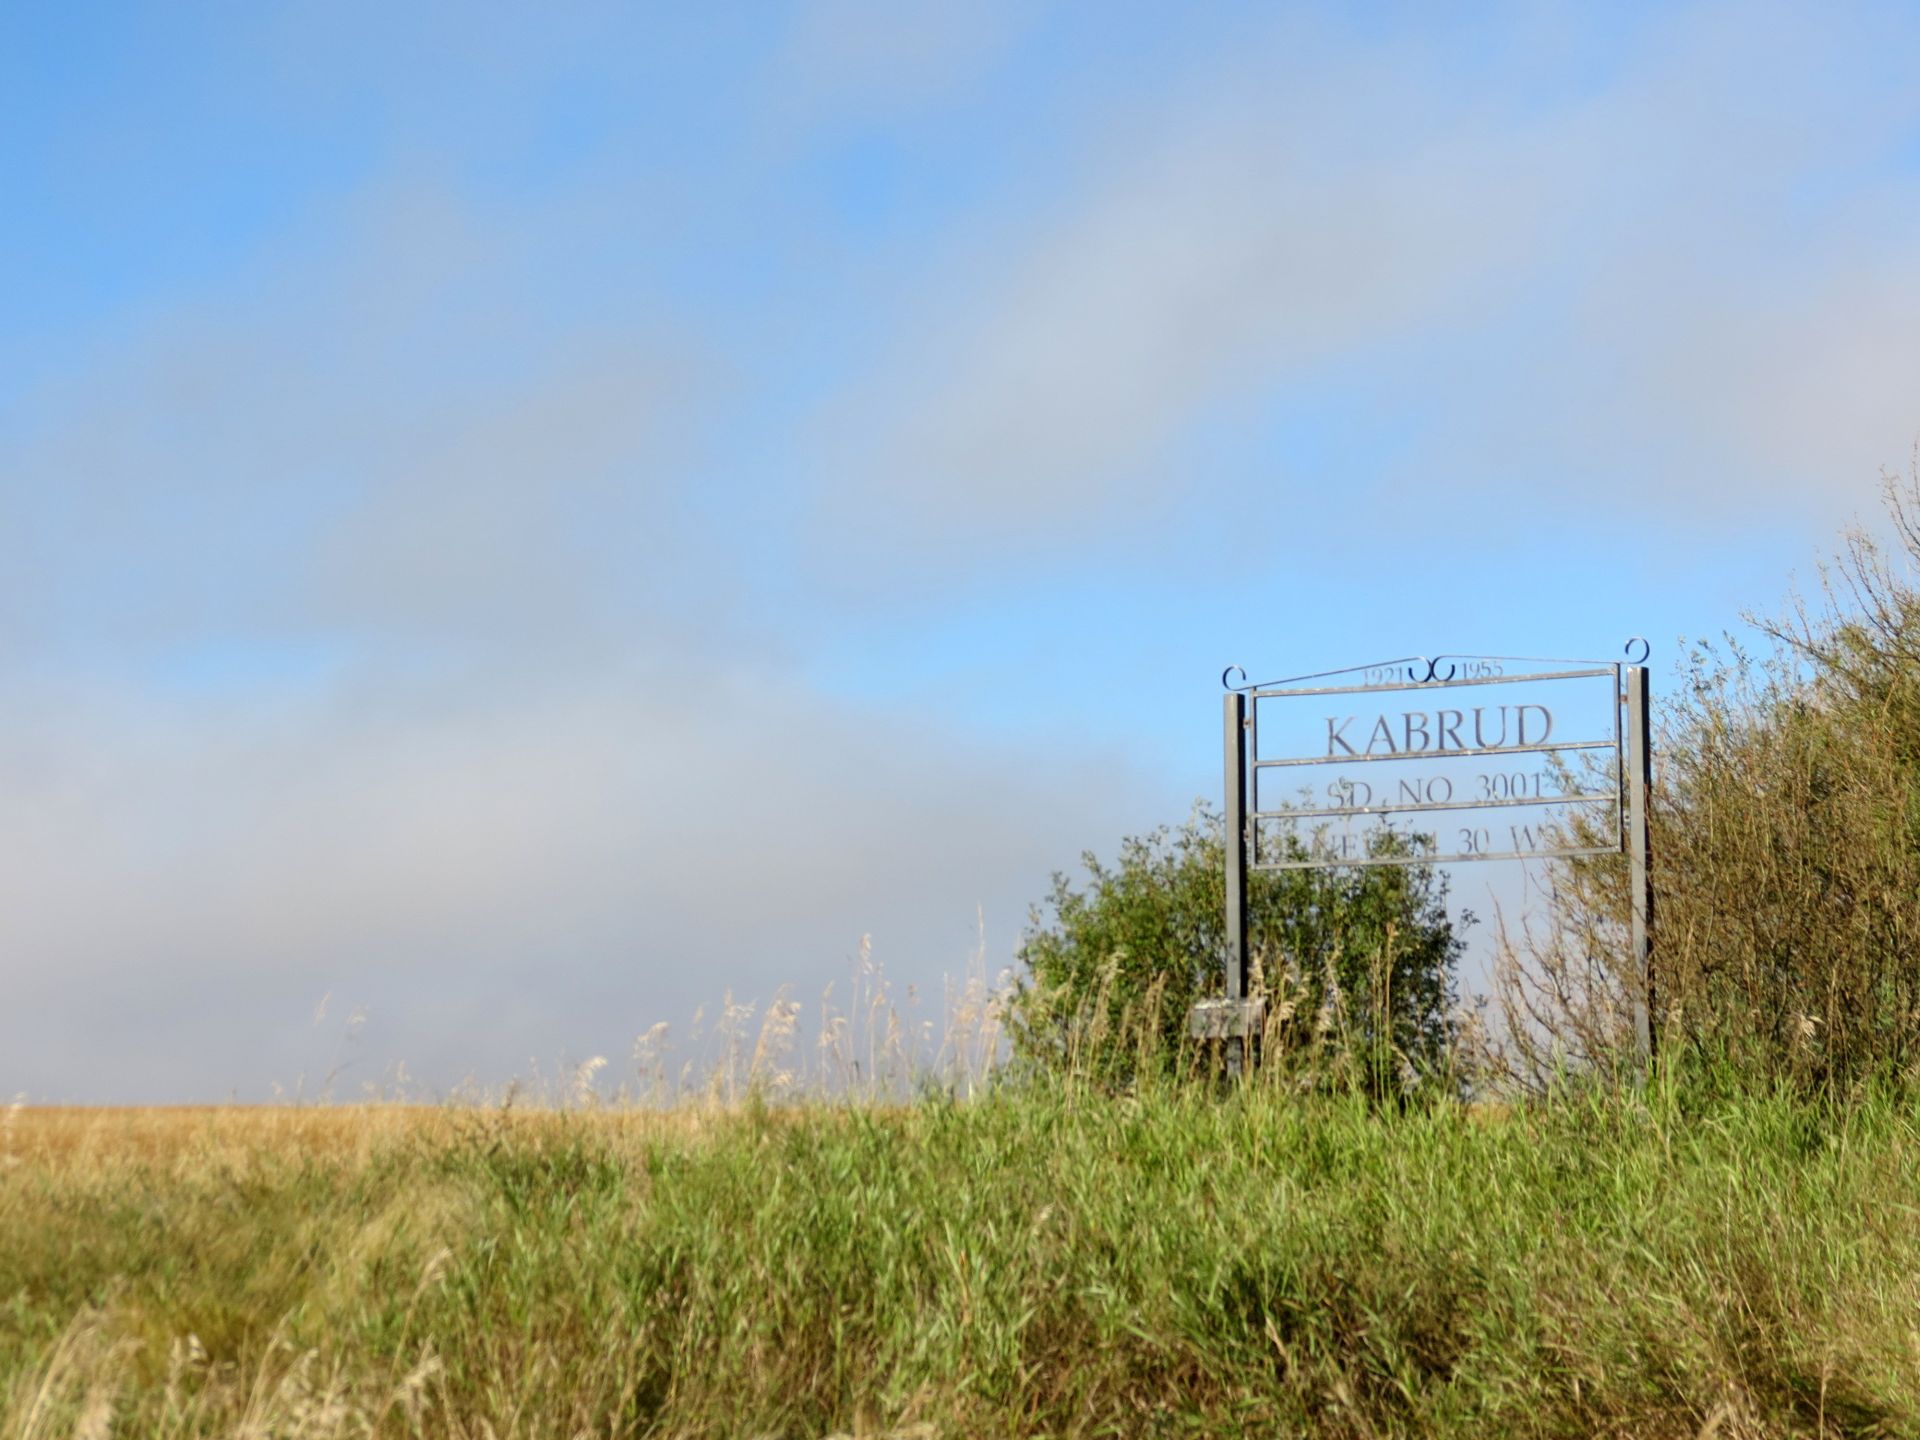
65, 1138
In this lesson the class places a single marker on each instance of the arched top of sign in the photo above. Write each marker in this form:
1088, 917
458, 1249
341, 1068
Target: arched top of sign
1409, 671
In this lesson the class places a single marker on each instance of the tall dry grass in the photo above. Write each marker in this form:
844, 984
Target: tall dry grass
1786, 838
1056, 1259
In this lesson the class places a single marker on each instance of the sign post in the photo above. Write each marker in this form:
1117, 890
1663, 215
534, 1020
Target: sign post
1429, 762
1640, 848
1235, 733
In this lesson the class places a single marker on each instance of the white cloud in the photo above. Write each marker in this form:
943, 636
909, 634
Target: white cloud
1245, 239
1643, 273
367, 439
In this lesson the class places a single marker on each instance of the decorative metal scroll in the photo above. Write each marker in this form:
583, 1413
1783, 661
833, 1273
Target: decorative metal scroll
1432, 760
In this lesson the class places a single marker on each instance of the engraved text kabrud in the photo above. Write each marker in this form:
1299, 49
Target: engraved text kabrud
1438, 732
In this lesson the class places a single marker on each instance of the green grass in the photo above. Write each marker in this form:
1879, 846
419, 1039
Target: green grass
1056, 1262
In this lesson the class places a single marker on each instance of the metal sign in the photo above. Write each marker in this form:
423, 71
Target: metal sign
1435, 761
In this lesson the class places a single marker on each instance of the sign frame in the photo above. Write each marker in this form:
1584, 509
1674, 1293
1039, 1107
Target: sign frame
1630, 741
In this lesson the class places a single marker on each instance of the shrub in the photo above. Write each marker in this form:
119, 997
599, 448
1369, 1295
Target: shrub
1362, 959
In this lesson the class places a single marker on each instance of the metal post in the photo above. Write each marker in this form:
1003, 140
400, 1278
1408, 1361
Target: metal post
1235, 821
1640, 848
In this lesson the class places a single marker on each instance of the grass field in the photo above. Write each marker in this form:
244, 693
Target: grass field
1057, 1262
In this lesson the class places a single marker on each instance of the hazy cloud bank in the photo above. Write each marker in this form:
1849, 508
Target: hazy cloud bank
524, 875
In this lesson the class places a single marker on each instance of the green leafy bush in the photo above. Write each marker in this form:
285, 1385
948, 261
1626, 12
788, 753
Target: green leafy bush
1354, 962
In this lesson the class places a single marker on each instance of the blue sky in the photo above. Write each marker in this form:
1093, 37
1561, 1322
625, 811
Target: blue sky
525, 519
